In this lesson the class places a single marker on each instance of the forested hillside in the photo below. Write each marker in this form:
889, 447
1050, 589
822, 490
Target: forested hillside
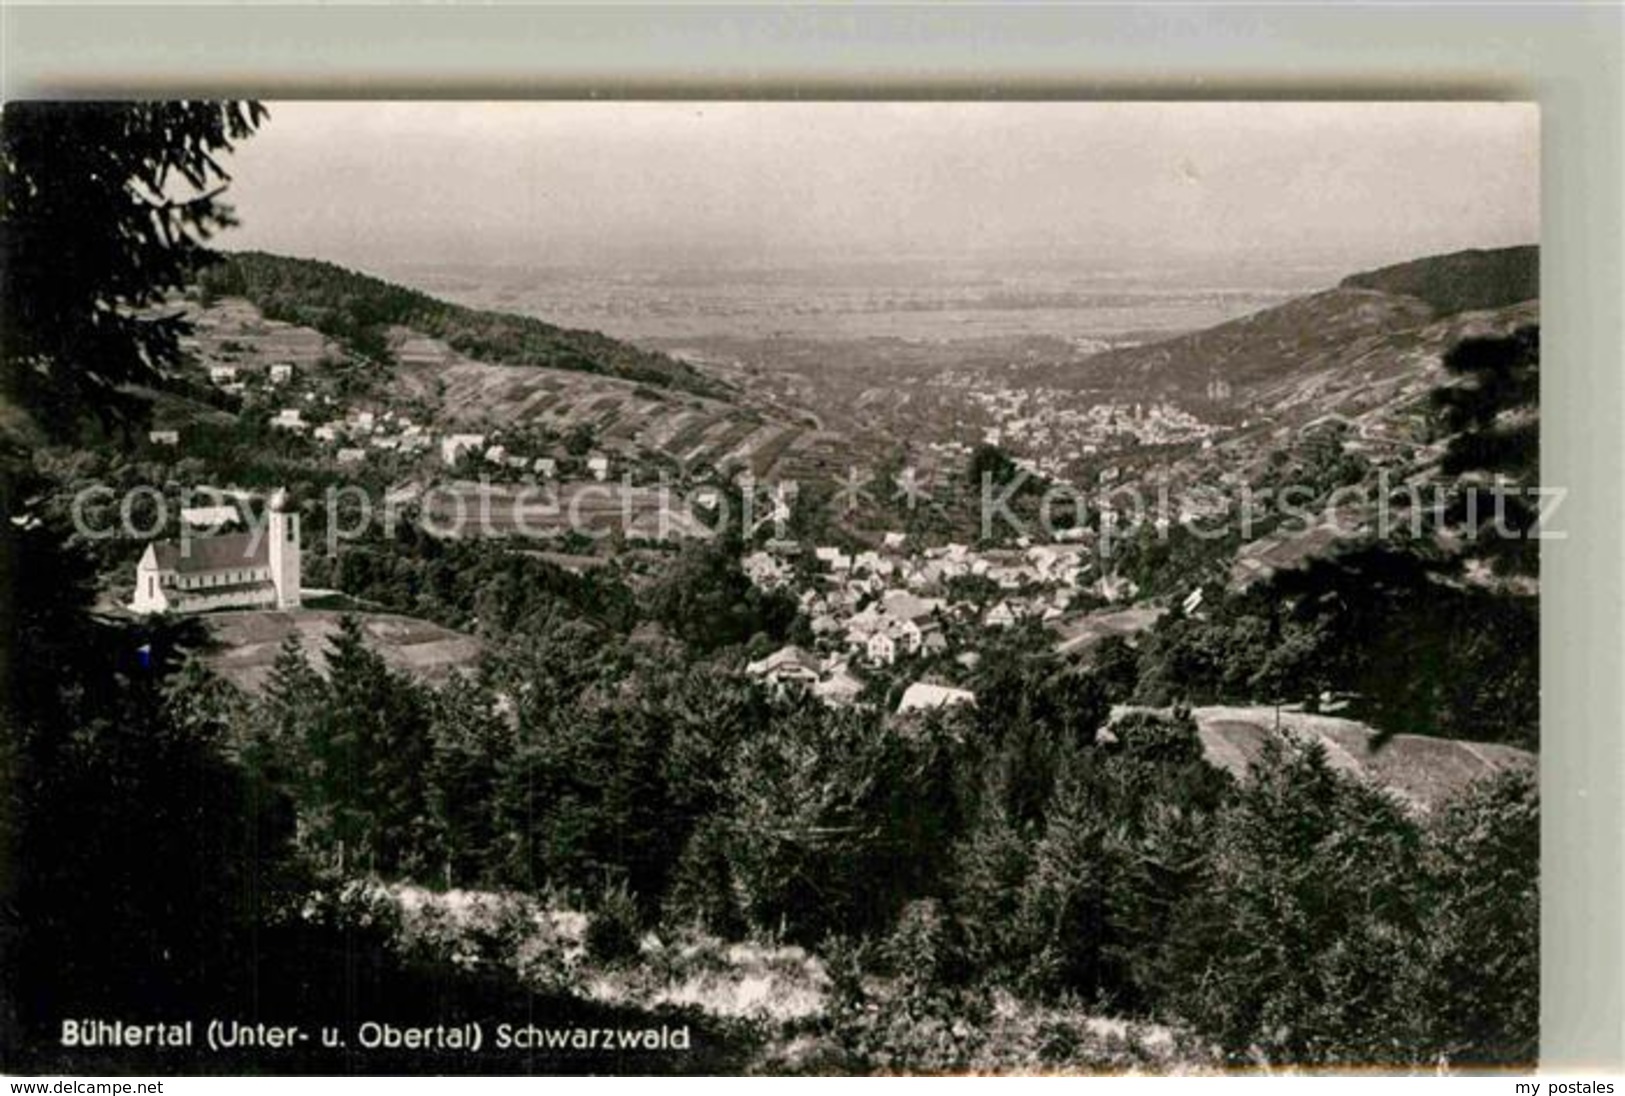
1373, 326
1462, 280
358, 310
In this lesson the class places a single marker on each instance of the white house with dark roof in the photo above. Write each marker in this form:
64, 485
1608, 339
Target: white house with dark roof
258, 569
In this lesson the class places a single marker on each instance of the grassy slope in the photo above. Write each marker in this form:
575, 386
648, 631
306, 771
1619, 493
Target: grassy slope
1422, 772
248, 643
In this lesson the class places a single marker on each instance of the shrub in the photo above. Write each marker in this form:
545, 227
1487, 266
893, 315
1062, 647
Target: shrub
615, 927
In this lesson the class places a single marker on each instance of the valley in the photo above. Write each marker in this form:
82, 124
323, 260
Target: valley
818, 587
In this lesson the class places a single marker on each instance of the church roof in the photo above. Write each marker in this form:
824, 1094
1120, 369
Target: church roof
251, 549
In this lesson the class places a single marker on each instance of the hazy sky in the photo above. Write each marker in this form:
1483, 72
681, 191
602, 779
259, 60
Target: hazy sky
382, 184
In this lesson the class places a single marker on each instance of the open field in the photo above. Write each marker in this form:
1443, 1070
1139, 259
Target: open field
249, 640
1423, 772
1081, 633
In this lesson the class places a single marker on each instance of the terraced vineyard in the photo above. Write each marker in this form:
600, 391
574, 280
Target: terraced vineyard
466, 394
693, 430
233, 332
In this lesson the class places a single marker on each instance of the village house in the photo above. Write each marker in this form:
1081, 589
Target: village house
289, 418
786, 665
222, 374
164, 437
598, 467
351, 456
833, 558
924, 696
872, 562
880, 648
281, 373
1006, 613
453, 446
255, 569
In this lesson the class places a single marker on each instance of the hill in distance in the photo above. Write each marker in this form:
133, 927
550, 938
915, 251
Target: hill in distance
1462, 281
358, 311
1369, 324
502, 378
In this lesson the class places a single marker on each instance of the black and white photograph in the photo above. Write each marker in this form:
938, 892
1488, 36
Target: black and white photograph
764, 587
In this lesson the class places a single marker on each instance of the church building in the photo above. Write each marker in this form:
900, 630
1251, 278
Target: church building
258, 569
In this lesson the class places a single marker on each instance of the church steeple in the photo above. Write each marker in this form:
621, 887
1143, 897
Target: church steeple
283, 549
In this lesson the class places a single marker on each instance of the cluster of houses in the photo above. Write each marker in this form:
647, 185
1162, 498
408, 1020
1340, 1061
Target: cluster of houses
455, 448
830, 679
230, 378
887, 602
359, 433
354, 436
1045, 418
1048, 433
871, 608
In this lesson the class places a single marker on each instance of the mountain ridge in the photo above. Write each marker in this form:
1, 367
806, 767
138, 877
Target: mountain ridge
1394, 311
1460, 281
358, 310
